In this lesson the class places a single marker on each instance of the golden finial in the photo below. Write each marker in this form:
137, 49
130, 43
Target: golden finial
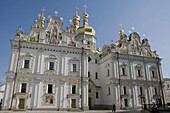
129, 32
76, 11
105, 42
133, 29
70, 21
43, 9
39, 15
55, 12
120, 26
61, 18
85, 6
49, 16
144, 35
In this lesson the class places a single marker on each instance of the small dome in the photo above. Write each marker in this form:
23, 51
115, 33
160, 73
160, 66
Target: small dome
121, 32
86, 30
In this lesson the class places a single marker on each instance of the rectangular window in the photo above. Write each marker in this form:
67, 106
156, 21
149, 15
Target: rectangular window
124, 88
50, 88
156, 91
74, 67
153, 74
108, 72
96, 76
23, 87
51, 66
123, 71
73, 89
108, 90
97, 95
139, 74
26, 64
141, 91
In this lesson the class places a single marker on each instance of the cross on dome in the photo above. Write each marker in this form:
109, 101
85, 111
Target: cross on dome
43, 9
85, 6
76, 10
55, 12
120, 26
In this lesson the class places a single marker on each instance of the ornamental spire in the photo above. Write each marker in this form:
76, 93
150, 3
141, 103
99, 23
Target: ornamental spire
42, 18
76, 20
121, 32
85, 16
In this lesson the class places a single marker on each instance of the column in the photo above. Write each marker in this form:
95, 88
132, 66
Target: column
62, 99
36, 93
85, 96
39, 62
62, 64
8, 94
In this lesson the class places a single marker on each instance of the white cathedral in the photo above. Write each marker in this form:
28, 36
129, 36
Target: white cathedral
54, 69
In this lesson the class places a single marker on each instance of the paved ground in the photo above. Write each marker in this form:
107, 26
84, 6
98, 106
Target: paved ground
91, 111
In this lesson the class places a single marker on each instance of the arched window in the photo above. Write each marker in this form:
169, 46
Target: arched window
108, 72
96, 61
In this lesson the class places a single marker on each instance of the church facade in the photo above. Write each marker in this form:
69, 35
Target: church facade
56, 69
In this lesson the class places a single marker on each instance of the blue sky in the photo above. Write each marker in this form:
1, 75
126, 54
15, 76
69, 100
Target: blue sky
150, 17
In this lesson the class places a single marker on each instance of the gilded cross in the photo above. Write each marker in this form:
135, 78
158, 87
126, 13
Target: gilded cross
76, 10
39, 15
49, 16
133, 29
120, 26
55, 12
43, 9
144, 35
85, 6
70, 21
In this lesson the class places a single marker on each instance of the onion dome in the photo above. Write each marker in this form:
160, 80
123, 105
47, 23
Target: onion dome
76, 20
99, 49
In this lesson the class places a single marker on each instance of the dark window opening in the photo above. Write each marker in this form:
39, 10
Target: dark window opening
108, 90
26, 65
124, 88
23, 88
153, 74
73, 89
155, 91
123, 71
51, 67
141, 91
96, 75
89, 59
97, 95
74, 67
139, 74
50, 88
96, 61
108, 72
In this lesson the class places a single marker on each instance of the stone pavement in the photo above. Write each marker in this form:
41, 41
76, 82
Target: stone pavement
90, 111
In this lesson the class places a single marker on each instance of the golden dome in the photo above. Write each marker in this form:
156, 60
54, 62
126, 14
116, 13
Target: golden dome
76, 18
99, 49
42, 18
86, 30
121, 32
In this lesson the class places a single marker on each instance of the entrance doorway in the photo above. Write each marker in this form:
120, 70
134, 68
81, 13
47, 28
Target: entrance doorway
73, 103
126, 102
21, 103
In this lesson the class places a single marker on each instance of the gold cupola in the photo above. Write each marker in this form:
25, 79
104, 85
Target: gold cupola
86, 29
121, 32
42, 18
76, 20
